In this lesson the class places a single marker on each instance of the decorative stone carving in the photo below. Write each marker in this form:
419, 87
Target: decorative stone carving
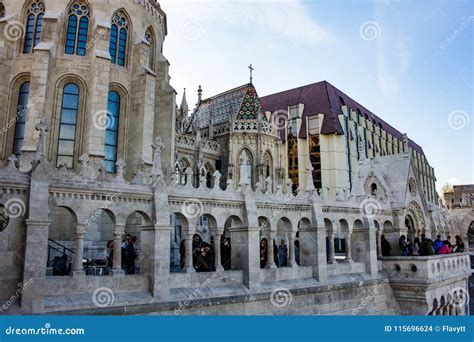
137, 178
86, 171
120, 169
217, 180
12, 162
268, 185
42, 127
157, 147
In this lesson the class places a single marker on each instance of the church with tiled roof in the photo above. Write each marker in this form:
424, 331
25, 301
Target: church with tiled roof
310, 136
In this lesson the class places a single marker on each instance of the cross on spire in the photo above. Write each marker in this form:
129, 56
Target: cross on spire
251, 72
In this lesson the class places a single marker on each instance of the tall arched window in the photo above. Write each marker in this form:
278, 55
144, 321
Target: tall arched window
245, 162
111, 132
118, 38
22, 110
68, 122
77, 29
150, 38
34, 23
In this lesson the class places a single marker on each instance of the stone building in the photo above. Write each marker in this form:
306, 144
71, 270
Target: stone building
93, 147
460, 203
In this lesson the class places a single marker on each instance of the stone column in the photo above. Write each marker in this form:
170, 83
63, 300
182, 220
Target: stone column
379, 244
188, 251
348, 248
36, 254
332, 251
217, 251
117, 262
313, 251
77, 268
270, 255
155, 262
291, 251
246, 253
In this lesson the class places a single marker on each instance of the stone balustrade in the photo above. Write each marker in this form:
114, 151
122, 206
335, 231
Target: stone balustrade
429, 268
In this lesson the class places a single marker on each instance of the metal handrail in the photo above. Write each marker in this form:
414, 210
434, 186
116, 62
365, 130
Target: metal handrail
64, 249
62, 246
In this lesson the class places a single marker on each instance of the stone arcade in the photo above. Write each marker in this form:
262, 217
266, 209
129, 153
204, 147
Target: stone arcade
93, 147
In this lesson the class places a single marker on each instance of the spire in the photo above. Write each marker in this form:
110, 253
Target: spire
184, 104
251, 72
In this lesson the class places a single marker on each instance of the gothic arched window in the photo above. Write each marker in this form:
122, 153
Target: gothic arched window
112, 131
245, 163
34, 23
68, 122
22, 110
118, 38
267, 161
77, 29
150, 38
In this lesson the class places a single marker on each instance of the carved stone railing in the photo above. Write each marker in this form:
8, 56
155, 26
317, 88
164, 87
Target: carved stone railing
210, 146
188, 141
250, 126
427, 267
268, 128
185, 140
221, 129
254, 126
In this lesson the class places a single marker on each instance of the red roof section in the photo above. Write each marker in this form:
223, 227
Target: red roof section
322, 97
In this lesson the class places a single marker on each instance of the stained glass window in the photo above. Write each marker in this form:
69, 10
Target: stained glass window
111, 132
22, 110
33, 26
77, 29
118, 38
68, 122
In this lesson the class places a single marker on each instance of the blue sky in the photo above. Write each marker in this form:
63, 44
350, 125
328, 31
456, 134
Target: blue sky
410, 62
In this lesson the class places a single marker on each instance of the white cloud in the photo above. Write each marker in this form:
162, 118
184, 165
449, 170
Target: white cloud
288, 19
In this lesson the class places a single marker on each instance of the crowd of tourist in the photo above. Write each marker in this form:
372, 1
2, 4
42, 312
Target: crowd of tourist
423, 246
129, 254
280, 253
204, 257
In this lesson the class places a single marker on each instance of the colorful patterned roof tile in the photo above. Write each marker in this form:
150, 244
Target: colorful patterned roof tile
241, 103
250, 106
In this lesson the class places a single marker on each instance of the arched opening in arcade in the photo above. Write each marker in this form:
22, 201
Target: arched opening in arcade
131, 246
283, 251
179, 233
267, 243
98, 238
205, 246
227, 257
61, 241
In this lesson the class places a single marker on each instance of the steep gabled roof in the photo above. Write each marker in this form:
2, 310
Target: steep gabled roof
240, 103
324, 98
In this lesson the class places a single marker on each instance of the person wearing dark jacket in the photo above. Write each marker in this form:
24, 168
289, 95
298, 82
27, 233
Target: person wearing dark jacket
403, 245
459, 245
386, 248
